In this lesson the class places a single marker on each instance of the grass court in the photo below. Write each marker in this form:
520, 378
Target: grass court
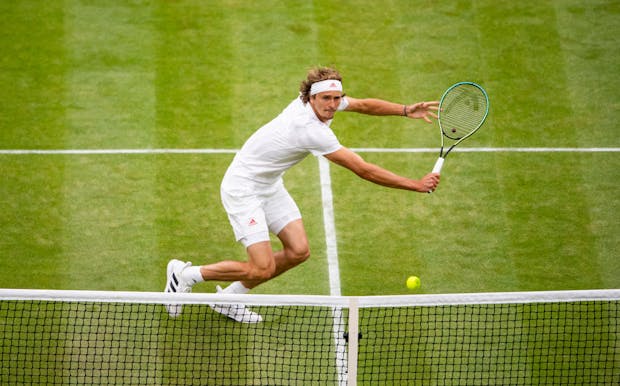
105, 76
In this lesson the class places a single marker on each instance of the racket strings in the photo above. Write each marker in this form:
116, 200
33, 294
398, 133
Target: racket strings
462, 111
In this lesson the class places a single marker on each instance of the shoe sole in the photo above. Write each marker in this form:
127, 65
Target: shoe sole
226, 311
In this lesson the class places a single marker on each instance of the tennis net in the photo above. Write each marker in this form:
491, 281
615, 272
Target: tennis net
127, 338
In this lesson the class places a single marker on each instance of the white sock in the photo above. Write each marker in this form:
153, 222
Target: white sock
192, 275
236, 288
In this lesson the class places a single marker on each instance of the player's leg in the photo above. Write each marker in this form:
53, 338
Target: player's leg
285, 221
295, 246
248, 219
250, 227
263, 264
259, 267
295, 250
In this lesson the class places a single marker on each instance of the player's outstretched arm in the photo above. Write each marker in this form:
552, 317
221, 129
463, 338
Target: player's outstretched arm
373, 173
371, 106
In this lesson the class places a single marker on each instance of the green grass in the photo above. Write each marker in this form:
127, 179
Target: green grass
192, 74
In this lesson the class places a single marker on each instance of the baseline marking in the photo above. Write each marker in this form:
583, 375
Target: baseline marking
119, 151
359, 149
493, 150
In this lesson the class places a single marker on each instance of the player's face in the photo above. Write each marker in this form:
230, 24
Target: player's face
325, 104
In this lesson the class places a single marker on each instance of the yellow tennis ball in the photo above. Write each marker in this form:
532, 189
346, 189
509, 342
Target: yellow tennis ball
413, 282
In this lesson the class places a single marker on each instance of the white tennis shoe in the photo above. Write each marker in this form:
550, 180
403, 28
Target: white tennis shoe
236, 312
176, 284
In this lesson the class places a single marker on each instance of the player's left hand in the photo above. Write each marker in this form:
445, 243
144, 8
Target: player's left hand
423, 110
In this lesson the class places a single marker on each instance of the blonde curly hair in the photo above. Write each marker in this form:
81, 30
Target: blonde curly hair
317, 74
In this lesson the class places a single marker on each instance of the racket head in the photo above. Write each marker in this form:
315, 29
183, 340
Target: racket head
462, 110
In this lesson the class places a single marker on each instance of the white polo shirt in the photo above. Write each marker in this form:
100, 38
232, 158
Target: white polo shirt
278, 146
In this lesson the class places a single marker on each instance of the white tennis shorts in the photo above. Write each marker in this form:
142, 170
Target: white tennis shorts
254, 215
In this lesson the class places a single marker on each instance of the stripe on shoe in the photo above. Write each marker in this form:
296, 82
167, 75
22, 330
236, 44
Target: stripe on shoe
173, 283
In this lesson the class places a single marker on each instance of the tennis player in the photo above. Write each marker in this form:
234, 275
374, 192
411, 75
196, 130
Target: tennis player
257, 202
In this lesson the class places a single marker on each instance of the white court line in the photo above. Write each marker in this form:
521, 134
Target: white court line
492, 150
359, 149
118, 151
330, 227
331, 245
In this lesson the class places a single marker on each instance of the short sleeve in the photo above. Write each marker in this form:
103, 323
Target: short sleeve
319, 139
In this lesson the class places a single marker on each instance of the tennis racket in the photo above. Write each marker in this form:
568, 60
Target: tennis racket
462, 111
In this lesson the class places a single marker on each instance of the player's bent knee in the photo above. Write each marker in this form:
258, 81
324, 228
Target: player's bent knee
299, 255
262, 273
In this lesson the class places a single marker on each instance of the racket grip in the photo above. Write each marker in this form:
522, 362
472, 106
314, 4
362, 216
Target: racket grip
438, 165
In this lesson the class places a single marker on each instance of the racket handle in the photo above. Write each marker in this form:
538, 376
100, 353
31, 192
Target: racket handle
438, 165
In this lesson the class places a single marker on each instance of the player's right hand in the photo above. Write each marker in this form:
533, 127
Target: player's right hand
430, 182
